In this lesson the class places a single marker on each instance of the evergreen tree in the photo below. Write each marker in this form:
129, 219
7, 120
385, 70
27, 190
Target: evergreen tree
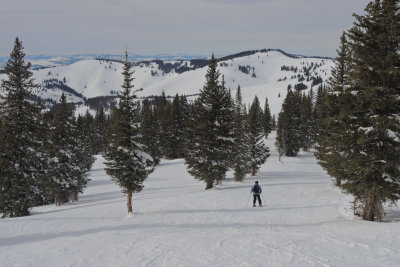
100, 130
211, 130
90, 130
166, 127
288, 140
71, 158
84, 158
150, 132
375, 77
21, 160
258, 151
341, 71
267, 119
179, 113
273, 122
364, 114
332, 113
127, 163
306, 124
242, 143
319, 111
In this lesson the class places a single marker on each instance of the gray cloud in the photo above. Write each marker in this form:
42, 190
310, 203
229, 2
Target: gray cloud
175, 26
240, 2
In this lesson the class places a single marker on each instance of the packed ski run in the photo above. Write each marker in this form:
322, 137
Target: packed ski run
306, 221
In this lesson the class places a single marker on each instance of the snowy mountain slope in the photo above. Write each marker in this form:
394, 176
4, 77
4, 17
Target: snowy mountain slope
46, 61
267, 67
259, 73
178, 223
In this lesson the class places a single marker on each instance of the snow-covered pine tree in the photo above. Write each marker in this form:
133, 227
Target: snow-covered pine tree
267, 119
258, 151
306, 123
166, 126
90, 129
150, 132
179, 113
288, 140
211, 131
84, 159
333, 117
319, 110
127, 162
100, 130
21, 161
273, 122
340, 74
71, 157
373, 160
242, 143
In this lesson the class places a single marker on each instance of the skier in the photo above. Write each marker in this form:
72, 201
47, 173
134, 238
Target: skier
256, 190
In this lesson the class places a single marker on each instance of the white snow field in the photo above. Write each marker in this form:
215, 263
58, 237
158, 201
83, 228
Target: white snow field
177, 223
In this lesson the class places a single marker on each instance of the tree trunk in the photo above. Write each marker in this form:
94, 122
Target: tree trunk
238, 178
338, 182
355, 206
209, 184
369, 209
253, 171
129, 202
74, 197
61, 198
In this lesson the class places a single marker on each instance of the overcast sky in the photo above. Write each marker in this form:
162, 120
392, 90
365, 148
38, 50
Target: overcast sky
149, 27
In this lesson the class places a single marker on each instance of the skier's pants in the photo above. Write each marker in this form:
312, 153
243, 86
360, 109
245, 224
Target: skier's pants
255, 197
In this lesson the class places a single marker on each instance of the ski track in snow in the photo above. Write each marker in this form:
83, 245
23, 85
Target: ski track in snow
177, 223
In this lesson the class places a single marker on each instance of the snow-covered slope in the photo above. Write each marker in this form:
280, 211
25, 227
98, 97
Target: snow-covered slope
260, 73
178, 223
269, 81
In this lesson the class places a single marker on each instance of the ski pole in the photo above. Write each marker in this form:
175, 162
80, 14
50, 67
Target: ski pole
248, 200
264, 199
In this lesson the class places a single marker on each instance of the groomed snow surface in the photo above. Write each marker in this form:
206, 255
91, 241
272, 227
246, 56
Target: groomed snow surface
177, 223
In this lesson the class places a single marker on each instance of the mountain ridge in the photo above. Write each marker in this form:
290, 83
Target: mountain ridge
52, 60
265, 73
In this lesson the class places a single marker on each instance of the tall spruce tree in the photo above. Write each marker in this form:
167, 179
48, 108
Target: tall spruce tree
127, 162
267, 119
71, 156
21, 161
273, 122
375, 77
288, 140
100, 130
258, 151
90, 129
306, 122
211, 131
368, 152
332, 111
340, 74
242, 156
84, 158
150, 132
166, 127
179, 113
319, 111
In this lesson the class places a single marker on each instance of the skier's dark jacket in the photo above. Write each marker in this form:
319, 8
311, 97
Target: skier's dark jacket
259, 189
